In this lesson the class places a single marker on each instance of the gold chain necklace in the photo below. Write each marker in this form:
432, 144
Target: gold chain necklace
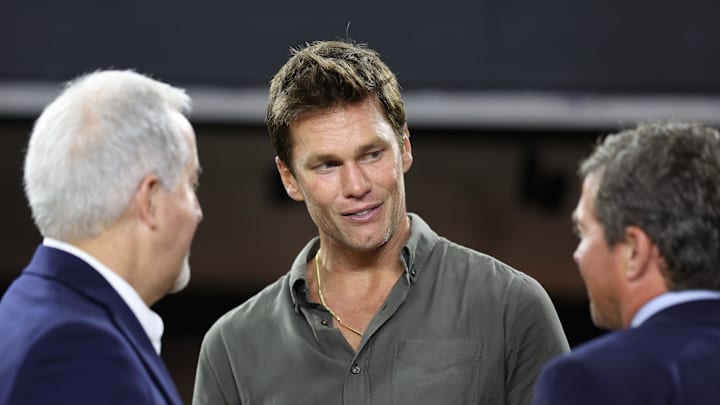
322, 299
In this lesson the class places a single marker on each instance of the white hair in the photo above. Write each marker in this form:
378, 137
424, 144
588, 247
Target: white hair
95, 143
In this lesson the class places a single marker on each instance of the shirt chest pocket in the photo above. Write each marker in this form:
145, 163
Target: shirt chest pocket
436, 371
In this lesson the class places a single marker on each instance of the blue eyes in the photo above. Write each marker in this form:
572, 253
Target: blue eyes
369, 157
326, 166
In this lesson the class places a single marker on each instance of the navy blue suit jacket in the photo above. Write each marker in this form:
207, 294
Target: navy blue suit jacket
672, 358
68, 337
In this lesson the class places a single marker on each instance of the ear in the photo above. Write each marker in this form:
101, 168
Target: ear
146, 199
641, 255
406, 150
289, 181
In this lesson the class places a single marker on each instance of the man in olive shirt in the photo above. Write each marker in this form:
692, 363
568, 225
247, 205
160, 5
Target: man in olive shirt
378, 308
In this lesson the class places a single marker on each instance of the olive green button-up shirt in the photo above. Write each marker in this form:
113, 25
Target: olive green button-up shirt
460, 327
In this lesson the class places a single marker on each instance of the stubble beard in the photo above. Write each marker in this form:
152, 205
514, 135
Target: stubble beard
183, 279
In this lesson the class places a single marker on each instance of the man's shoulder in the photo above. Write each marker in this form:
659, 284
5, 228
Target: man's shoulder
64, 356
594, 372
631, 364
41, 303
49, 327
429, 246
624, 348
257, 308
480, 264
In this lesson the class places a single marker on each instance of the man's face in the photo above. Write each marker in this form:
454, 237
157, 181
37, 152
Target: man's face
183, 213
349, 169
600, 265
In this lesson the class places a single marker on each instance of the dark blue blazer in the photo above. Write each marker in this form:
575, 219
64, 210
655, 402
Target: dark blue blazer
68, 338
672, 358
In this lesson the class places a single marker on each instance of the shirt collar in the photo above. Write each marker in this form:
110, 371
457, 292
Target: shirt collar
150, 321
669, 299
298, 278
417, 248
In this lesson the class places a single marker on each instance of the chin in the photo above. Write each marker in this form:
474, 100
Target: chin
183, 278
602, 320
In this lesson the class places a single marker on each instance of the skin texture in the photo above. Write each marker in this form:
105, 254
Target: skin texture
619, 278
599, 264
349, 170
183, 213
157, 228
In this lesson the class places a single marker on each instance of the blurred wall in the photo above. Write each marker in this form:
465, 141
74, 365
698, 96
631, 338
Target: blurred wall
555, 45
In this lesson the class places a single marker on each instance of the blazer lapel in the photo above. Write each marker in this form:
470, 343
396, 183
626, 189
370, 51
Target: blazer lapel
80, 276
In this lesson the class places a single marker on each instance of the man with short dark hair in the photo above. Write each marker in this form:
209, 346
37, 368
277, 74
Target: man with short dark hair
378, 308
648, 221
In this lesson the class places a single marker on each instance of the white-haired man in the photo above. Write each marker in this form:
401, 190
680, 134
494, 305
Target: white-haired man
110, 175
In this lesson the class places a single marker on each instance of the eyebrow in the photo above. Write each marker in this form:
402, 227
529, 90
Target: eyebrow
314, 160
372, 145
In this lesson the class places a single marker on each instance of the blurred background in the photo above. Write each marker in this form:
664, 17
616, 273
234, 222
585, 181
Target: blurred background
503, 100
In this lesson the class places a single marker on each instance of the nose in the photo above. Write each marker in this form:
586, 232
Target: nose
576, 254
355, 181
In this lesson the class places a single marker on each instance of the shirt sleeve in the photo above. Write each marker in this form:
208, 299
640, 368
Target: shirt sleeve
535, 336
214, 377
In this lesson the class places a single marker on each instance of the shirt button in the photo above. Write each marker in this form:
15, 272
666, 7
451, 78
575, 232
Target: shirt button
355, 369
324, 322
412, 272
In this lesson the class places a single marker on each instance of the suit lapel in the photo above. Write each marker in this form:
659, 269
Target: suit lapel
81, 277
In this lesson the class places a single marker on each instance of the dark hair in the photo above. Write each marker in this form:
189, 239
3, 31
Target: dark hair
328, 74
664, 178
